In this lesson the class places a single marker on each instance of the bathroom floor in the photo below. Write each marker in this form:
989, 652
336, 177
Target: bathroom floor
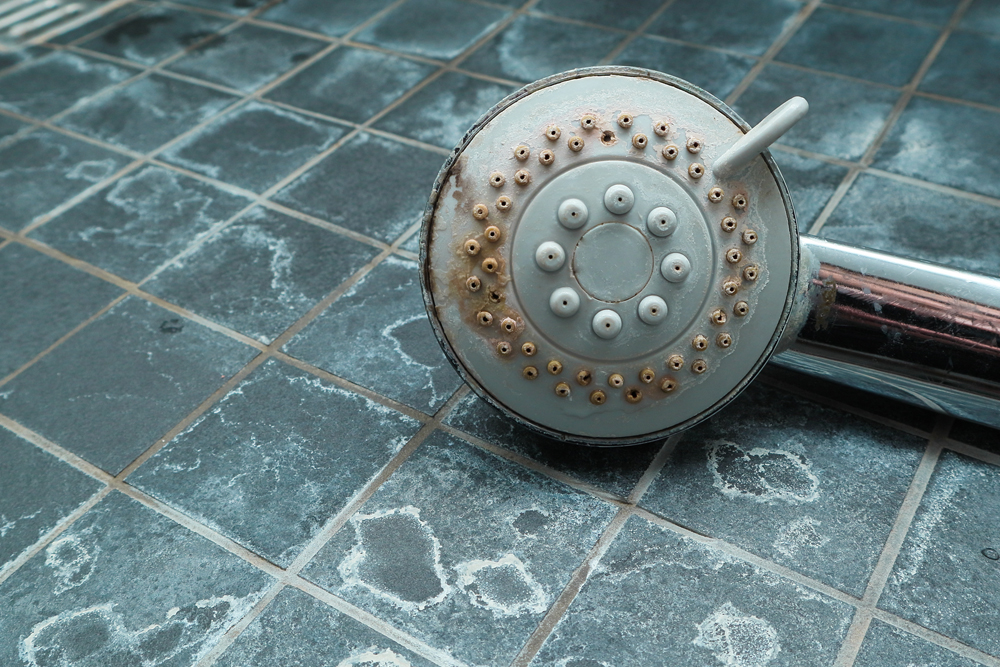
229, 436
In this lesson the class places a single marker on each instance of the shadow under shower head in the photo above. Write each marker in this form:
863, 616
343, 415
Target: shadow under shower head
611, 255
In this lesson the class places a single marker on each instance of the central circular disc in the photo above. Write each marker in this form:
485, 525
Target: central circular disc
613, 262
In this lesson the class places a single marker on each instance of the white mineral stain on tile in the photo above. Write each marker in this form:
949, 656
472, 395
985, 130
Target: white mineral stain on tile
738, 640
396, 557
505, 587
799, 534
72, 561
761, 474
93, 171
375, 658
7, 525
98, 636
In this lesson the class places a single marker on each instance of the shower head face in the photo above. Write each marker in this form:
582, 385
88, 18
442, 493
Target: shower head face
587, 272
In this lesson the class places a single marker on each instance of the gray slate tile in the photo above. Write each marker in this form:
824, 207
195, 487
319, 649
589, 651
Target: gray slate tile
44, 169
608, 13
155, 34
377, 336
99, 23
254, 146
885, 645
261, 273
372, 185
947, 575
432, 28
38, 492
656, 596
811, 184
613, 469
916, 222
982, 15
147, 113
277, 458
136, 360
334, 18
124, 586
932, 11
247, 58
462, 549
42, 300
10, 126
793, 482
966, 68
233, 7
731, 24
856, 45
139, 222
297, 629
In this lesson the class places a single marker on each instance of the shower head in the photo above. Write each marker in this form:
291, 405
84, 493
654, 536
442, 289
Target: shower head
611, 255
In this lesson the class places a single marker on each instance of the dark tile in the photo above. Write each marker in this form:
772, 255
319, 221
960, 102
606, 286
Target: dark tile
656, 594
261, 273
10, 59
976, 435
432, 28
947, 575
377, 336
851, 44
613, 469
38, 492
966, 68
930, 129
276, 459
885, 645
254, 146
335, 18
462, 549
140, 222
9, 126
51, 84
532, 47
99, 23
931, 11
297, 629
718, 73
247, 57
124, 586
811, 184
147, 113
608, 13
806, 486
233, 7
909, 220
42, 299
441, 112
982, 15
749, 27
351, 83
137, 360
43, 170
844, 116
362, 169
155, 34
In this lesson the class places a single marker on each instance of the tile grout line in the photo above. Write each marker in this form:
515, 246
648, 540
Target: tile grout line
972, 451
893, 544
907, 94
932, 637
631, 37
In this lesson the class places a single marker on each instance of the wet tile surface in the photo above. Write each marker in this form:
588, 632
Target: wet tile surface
382, 186
301, 449
847, 43
34, 314
299, 630
886, 645
261, 273
43, 170
909, 220
693, 603
147, 113
334, 18
487, 545
730, 24
791, 481
377, 336
137, 359
247, 57
953, 539
351, 83
124, 585
615, 470
439, 29
38, 492
712, 70
140, 222
254, 146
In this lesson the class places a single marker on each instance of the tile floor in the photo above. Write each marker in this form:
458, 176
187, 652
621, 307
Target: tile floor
227, 435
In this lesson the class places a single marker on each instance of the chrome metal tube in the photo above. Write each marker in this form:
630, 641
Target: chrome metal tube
920, 332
